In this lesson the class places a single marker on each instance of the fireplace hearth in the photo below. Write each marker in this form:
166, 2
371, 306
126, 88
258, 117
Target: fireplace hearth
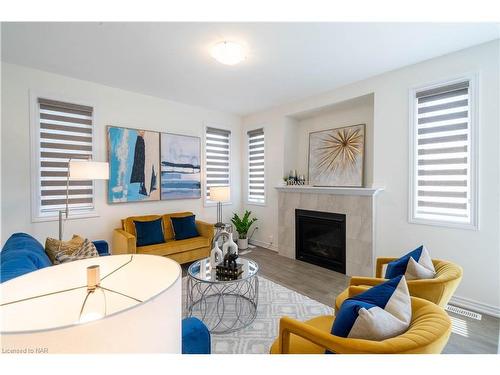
320, 239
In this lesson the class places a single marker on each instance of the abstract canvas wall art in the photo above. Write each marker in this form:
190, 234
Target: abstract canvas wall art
134, 162
180, 167
336, 156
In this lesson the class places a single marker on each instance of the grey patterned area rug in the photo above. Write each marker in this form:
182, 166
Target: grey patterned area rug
274, 301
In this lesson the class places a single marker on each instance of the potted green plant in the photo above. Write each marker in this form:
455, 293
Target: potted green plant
242, 226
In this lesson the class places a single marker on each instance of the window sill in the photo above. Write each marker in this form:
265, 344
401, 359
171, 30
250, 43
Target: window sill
86, 215
437, 223
263, 204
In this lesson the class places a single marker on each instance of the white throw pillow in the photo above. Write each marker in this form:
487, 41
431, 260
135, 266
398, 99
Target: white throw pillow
382, 312
423, 269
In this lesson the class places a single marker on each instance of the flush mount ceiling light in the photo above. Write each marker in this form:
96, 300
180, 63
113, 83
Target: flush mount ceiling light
228, 53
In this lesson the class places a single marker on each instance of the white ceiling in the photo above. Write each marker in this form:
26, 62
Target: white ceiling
286, 61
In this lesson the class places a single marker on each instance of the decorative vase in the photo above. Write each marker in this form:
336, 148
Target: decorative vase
215, 256
242, 243
229, 247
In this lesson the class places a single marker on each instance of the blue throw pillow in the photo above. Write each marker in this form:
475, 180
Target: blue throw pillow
381, 312
184, 227
149, 232
417, 264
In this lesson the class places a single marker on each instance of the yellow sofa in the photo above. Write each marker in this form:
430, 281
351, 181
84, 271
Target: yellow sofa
429, 331
438, 289
182, 251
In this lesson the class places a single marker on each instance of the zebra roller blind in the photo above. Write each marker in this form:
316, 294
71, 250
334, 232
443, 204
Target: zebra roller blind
442, 190
65, 131
256, 166
217, 156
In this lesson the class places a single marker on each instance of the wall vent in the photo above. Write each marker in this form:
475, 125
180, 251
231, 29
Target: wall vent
463, 312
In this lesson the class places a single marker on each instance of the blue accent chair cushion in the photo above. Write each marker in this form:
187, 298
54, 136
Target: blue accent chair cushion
21, 254
149, 232
184, 227
381, 312
417, 264
195, 337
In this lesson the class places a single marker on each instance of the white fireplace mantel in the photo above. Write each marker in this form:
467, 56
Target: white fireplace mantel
364, 191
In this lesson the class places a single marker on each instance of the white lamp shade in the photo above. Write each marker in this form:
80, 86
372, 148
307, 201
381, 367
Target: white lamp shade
151, 325
88, 170
220, 193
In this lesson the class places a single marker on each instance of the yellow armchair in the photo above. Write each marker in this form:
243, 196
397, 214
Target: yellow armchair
438, 290
123, 242
429, 331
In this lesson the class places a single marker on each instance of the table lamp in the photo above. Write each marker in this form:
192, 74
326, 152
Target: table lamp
220, 194
113, 304
82, 170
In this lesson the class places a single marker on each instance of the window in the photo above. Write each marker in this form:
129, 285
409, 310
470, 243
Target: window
63, 131
217, 156
443, 178
256, 167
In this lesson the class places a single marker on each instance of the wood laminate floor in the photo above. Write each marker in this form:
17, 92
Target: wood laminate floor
469, 336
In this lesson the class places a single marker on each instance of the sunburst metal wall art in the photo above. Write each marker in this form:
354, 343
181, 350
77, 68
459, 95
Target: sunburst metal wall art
336, 156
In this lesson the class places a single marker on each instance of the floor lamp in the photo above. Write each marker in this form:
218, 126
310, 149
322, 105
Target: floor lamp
82, 170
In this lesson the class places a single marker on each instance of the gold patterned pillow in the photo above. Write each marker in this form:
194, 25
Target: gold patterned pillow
53, 247
87, 250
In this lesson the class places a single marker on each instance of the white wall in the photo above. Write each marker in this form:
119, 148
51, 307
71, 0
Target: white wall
113, 107
476, 251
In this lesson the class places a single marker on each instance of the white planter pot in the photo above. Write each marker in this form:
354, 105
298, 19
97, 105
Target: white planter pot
242, 243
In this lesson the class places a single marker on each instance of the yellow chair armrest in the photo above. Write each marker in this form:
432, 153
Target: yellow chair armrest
123, 242
290, 326
361, 280
380, 265
335, 344
205, 229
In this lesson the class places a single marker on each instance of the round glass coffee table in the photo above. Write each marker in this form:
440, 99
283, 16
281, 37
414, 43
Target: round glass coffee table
224, 306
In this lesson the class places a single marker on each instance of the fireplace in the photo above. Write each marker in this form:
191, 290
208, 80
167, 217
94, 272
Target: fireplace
320, 239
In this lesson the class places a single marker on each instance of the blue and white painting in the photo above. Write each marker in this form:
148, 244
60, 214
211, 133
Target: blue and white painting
134, 158
180, 167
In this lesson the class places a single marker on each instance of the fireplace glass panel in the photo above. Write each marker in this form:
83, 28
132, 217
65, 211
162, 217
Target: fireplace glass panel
320, 239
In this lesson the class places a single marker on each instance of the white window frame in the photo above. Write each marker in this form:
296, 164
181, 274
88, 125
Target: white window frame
208, 203
34, 112
473, 223
247, 176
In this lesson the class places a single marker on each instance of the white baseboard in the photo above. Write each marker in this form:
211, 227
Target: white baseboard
476, 306
265, 245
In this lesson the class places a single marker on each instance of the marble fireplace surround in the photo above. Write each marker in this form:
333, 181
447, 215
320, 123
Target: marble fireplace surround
358, 204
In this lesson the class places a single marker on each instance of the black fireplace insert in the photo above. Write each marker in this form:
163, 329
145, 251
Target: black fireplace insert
320, 239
